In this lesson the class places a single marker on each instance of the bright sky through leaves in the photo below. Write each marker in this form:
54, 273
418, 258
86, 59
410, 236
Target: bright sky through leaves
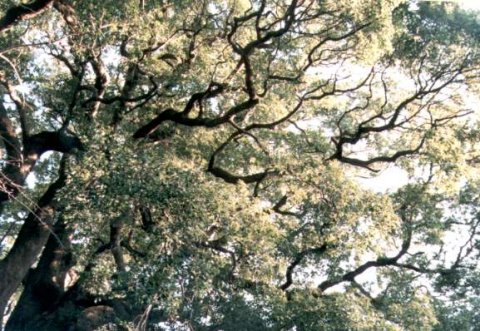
202, 165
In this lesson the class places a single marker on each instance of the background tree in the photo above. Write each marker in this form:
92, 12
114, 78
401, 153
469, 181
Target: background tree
194, 165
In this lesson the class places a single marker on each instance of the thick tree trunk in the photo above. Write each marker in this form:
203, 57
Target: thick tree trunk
44, 285
27, 247
46, 304
29, 243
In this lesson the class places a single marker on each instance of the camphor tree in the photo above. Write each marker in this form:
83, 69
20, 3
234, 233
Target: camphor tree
195, 165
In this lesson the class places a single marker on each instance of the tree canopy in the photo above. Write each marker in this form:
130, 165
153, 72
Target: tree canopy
239, 165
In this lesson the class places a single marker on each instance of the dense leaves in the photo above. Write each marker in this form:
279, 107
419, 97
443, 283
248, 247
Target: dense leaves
239, 165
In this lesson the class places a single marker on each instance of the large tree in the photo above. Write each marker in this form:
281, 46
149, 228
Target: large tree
201, 165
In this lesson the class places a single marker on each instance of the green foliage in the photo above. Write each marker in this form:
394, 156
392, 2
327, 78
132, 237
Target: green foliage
333, 91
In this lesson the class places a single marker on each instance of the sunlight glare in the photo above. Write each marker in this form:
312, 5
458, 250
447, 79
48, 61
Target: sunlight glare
469, 4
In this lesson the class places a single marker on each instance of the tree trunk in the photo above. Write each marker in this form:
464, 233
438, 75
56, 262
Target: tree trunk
44, 285
30, 241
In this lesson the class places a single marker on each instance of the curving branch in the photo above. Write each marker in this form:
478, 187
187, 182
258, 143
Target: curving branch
298, 259
366, 163
230, 177
215, 245
379, 262
395, 120
23, 12
178, 117
21, 163
282, 202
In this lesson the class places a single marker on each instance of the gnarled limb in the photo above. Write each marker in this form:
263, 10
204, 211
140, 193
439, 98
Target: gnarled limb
45, 284
23, 12
21, 164
30, 241
298, 259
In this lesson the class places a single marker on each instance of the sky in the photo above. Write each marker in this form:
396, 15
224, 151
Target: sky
470, 4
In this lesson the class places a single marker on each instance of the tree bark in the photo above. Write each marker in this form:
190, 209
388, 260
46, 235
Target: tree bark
30, 241
21, 12
18, 169
44, 285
